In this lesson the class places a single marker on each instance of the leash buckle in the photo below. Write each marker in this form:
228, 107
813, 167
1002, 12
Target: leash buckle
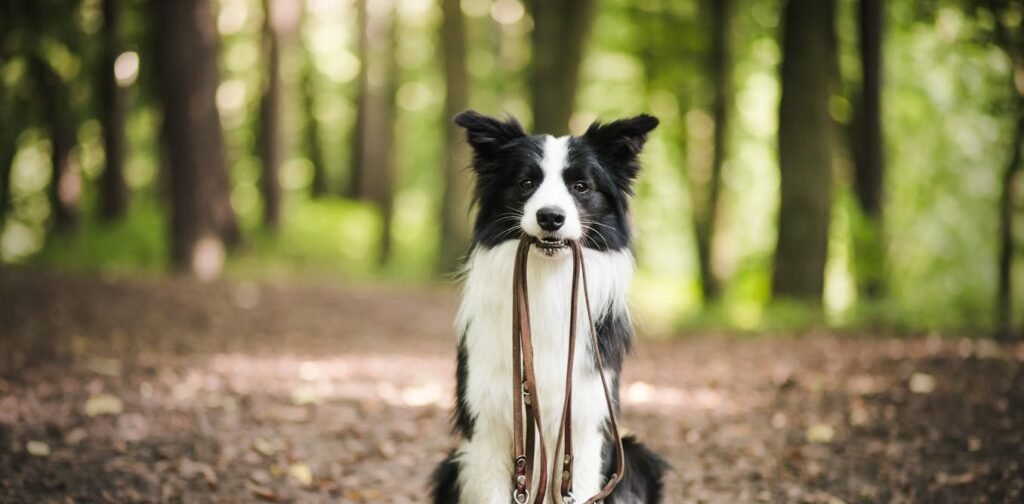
520, 496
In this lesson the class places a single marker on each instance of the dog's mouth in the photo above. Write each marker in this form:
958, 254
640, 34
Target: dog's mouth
550, 245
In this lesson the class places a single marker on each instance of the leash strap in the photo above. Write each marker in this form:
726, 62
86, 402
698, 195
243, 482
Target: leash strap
524, 387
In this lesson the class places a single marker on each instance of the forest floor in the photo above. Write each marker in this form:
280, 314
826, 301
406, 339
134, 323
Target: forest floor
170, 390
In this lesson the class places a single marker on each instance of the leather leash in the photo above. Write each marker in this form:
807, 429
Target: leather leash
524, 389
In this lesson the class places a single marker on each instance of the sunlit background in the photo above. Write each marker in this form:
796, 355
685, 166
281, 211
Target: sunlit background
946, 109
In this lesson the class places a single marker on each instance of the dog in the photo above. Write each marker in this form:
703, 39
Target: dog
552, 189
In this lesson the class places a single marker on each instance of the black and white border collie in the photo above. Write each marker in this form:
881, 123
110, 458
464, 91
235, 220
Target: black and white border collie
554, 189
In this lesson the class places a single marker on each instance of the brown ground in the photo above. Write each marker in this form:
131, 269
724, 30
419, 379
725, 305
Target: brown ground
238, 392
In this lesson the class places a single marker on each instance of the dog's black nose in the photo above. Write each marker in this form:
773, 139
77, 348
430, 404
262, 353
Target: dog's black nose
550, 218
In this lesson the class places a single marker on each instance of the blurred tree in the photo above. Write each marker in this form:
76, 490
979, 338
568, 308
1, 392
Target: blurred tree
10, 128
203, 222
560, 30
65, 179
113, 189
320, 183
41, 28
356, 183
869, 152
456, 199
1012, 43
14, 111
718, 14
805, 155
270, 116
311, 128
373, 164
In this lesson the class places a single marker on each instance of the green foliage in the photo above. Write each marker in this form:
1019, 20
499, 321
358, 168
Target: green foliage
136, 245
330, 238
945, 100
946, 135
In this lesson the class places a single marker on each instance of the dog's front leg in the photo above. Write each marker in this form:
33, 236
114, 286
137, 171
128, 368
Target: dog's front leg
589, 437
485, 472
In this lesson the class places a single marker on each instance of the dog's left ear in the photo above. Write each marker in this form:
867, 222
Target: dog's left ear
620, 142
488, 135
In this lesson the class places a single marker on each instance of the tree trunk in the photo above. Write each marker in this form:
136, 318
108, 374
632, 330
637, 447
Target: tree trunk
65, 181
270, 119
356, 180
311, 129
1014, 49
203, 222
457, 187
560, 30
805, 155
10, 129
113, 190
8, 149
1004, 298
719, 64
868, 153
373, 160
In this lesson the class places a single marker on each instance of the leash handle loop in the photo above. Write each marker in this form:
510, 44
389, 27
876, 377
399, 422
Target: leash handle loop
524, 389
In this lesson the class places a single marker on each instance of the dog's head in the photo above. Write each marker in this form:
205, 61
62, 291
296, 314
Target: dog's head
554, 189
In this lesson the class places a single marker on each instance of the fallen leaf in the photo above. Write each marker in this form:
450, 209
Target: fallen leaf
309, 371
189, 469
38, 448
639, 392
266, 447
305, 394
327, 485
387, 449
301, 473
282, 413
262, 492
859, 414
859, 417
75, 436
973, 443
922, 383
105, 366
103, 404
820, 433
362, 495
261, 477
955, 479
132, 427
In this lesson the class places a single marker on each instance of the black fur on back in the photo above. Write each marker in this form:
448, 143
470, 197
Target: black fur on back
614, 339
645, 471
446, 481
463, 421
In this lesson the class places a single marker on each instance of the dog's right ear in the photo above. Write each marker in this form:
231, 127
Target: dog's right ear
488, 135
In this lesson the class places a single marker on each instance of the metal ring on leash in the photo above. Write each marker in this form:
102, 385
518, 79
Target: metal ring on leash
520, 497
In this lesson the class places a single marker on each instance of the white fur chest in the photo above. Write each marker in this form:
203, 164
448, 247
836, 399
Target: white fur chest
485, 323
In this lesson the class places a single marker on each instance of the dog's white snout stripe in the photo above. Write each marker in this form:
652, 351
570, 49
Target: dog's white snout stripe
553, 192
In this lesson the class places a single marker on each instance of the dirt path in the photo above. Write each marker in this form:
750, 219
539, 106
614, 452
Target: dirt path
168, 390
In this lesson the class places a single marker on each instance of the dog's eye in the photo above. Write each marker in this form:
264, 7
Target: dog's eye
580, 187
526, 184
